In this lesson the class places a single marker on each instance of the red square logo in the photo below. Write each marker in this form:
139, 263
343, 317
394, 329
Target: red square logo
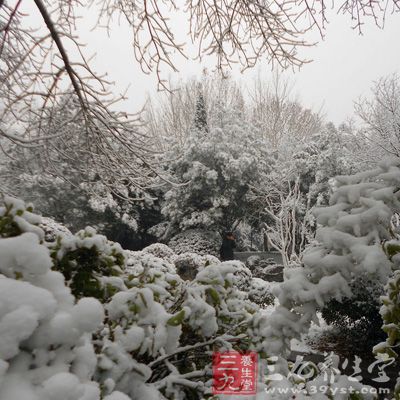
234, 373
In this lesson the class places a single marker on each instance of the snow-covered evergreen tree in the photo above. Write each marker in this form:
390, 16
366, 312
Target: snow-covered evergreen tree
316, 162
200, 117
216, 173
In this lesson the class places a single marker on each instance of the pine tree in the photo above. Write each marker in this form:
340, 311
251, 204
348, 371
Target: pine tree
200, 117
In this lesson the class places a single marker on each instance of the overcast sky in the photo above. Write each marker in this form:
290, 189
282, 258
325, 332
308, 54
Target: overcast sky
344, 67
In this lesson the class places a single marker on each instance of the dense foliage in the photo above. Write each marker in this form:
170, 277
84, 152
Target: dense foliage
216, 171
357, 316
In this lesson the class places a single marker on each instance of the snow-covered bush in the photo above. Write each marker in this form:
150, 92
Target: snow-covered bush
160, 330
216, 304
390, 310
358, 315
197, 241
253, 261
90, 263
350, 235
189, 264
76, 205
161, 250
146, 270
53, 229
46, 351
242, 275
260, 292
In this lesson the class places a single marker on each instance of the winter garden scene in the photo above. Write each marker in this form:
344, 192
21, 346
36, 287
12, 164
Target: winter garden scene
199, 200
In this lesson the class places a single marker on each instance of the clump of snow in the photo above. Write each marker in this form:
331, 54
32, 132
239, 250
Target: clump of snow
22, 255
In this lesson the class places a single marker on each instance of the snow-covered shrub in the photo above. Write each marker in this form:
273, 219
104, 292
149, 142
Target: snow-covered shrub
161, 250
77, 205
18, 218
140, 329
242, 275
90, 263
160, 330
53, 229
146, 270
260, 292
216, 303
155, 342
358, 315
253, 261
390, 310
189, 264
208, 259
45, 336
197, 241
391, 316
350, 235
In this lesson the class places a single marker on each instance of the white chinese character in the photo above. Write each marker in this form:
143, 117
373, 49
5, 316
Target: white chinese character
228, 381
247, 384
246, 361
247, 373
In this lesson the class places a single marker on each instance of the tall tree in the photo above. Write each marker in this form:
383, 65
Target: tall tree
200, 117
216, 175
380, 118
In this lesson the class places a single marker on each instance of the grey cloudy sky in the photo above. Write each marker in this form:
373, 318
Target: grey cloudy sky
344, 67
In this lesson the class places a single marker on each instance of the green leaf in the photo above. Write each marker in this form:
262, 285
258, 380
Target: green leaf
134, 308
143, 299
177, 319
214, 295
18, 275
392, 249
